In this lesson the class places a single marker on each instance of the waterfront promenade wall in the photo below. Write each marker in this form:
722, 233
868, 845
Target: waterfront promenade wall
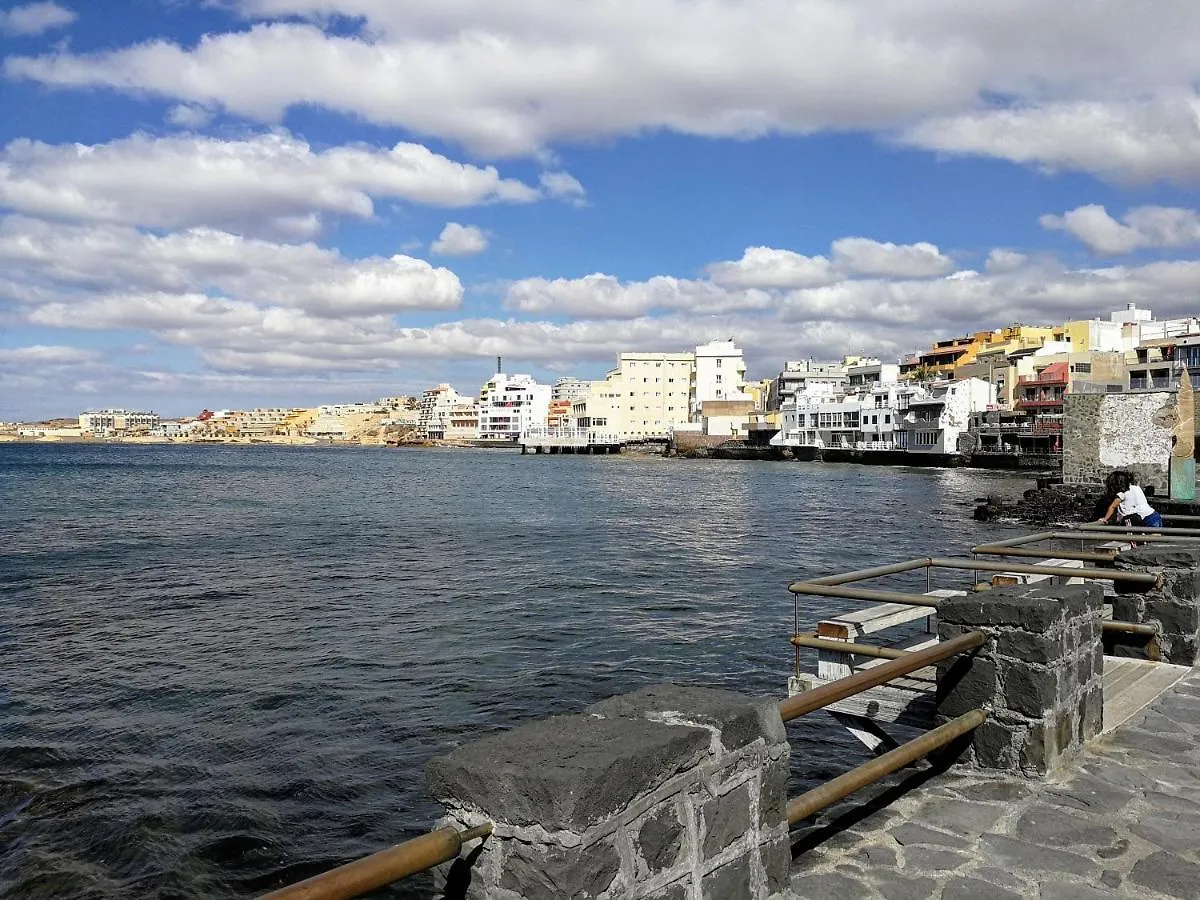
681, 792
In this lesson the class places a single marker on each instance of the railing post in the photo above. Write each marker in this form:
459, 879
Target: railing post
1039, 672
670, 792
1174, 607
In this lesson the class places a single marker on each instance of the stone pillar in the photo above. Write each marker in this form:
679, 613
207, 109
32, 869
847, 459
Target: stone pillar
1039, 673
1175, 607
671, 792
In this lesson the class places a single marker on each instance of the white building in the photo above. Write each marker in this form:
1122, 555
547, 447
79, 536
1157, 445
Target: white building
800, 376
106, 421
720, 374
934, 423
868, 420
510, 405
864, 373
433, 417
569, 389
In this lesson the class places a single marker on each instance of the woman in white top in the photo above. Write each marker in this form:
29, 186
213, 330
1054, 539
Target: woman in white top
1130, 506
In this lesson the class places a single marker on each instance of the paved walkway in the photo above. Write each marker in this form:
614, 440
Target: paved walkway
1123, 822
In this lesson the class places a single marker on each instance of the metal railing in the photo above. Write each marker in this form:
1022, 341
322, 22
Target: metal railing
383, 868
812, 802
900, 663
819, 698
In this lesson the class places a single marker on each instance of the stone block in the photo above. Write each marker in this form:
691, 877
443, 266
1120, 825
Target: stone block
1030, 646
772, 803
660, 839
964, 683
566, 772
540, 872
739, 720
777, 859
730, 882
725, 820
1028, 690
642, 797
1159, 556
1173, 616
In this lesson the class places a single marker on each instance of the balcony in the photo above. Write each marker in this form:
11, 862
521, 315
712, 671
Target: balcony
1042, 379
1040, 404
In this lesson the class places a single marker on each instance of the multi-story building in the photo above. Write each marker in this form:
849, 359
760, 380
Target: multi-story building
719, 375
570, 389
864, 373
116, 421
936, 422
656, 393
867, 420
433, 413
262, 421
462, 422
800, 376
510, 405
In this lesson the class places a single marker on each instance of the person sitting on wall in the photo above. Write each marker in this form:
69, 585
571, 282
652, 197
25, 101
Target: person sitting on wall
1129, 506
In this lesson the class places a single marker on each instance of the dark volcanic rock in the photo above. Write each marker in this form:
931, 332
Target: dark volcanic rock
1050, 505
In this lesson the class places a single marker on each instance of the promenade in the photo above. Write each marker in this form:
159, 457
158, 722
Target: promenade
1123, 820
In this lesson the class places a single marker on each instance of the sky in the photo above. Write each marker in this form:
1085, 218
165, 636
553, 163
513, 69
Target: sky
239, 203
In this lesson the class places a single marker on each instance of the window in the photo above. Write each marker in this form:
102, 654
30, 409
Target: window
1085, 368
718, 379
718, 364
887, 419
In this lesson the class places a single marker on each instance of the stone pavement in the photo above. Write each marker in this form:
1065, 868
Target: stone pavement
1122, 821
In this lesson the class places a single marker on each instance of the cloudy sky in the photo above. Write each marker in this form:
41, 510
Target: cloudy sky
249, 202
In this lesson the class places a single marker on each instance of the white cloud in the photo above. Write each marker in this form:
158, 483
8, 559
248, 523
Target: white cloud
767, 267
271, 183
1144, 226
190, 117
1000, 261
43, 355
863, 256
1122, 141
564, 186
460, 240
74, 262
604, 296
513, 78
35, 18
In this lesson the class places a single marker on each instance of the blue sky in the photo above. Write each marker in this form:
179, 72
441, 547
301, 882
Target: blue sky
283, 202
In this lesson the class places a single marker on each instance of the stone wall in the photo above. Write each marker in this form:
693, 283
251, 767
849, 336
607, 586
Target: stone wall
671, 792
1103, 432
1039, 672
1174, 607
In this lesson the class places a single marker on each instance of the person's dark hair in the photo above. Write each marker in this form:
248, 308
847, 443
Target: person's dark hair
1117, 482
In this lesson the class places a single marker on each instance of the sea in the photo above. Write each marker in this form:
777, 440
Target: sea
224, 668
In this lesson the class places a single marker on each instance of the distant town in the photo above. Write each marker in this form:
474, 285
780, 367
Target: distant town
998, 393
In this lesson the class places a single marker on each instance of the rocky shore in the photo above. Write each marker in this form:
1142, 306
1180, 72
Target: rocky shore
1046, 505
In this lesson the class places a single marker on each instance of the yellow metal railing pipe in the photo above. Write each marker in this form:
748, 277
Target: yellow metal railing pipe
381, 869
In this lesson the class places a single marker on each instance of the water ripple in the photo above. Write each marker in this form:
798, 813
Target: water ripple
224, 669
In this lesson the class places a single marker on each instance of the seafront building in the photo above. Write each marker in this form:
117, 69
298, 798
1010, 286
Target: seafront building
116, 421
462, 422
799, 376
510, 405
433, 417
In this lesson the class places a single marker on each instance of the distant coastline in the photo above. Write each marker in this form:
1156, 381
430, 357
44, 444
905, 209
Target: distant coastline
273, 440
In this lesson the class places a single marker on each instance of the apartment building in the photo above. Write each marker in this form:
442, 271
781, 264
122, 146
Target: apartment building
116, 421
510, 405
433, 413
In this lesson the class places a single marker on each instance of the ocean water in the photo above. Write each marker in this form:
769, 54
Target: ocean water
223, 669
